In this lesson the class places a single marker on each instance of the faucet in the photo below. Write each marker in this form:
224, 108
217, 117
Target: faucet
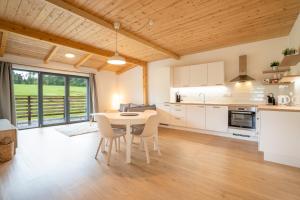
202, 94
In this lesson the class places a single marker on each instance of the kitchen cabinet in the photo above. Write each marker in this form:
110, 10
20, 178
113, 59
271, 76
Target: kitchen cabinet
198, 75
195, 116
181, 76
280, 137
215, 73
216, 118
164, 113
178, 115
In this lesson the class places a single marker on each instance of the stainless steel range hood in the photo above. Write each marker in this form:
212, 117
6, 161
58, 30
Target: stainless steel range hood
243, 77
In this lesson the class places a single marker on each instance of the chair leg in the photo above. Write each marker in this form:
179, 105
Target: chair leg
116, 144
111, 141
100, 142
132, 139
141, 143
157, 145
124, 138
119, 145
146, 149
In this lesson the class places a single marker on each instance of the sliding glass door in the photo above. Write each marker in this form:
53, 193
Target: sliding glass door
26, 98
78, 96
53, 99
44, 99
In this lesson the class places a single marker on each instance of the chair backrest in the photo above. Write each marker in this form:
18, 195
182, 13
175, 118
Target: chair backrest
151, 126
104, 125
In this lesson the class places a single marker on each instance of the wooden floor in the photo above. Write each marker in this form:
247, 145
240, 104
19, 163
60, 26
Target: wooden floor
49, 165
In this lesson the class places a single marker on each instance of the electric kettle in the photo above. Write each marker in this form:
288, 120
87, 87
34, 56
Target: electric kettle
283, 99
296, 100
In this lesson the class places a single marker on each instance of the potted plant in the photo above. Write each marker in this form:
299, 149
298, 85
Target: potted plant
289, 51
274, 65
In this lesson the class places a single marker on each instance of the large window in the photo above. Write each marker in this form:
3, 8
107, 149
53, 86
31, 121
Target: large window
44, 99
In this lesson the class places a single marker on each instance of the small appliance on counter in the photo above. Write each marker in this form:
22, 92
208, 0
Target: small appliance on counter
283, 100
296, 100
271, 99
178, 97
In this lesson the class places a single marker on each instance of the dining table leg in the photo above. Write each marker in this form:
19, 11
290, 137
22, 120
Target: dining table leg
128, 143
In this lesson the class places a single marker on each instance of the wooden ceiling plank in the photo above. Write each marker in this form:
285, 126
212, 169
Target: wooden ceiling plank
3, 44
102, 67
57, 40
102, 22
51, 54
82, 60
125, 69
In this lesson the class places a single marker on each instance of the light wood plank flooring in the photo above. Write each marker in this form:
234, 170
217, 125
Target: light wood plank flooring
49, 165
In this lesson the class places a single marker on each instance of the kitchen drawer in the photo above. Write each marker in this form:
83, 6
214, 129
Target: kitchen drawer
178, 121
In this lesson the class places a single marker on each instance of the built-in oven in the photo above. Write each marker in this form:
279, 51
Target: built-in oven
242, 117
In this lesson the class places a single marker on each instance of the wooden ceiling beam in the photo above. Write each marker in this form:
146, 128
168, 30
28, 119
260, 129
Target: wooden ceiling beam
57, 40
104, 23
50, 54
4, 37
102, 67
125, 69
82, 60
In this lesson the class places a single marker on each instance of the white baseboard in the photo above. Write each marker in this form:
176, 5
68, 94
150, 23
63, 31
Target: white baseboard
282, 159
203, 131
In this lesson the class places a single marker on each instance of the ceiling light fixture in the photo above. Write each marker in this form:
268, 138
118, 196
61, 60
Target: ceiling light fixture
116, 59
69, 55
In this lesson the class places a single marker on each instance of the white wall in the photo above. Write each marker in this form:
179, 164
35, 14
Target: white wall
107, 90
259, 55
130, 86
294, 36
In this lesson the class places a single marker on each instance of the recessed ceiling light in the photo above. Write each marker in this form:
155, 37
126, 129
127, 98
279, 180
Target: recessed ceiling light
69, 55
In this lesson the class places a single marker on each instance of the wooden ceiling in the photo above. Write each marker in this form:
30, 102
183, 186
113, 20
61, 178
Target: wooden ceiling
179, 27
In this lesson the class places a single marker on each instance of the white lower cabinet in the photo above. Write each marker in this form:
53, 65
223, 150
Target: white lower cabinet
164, 113
216, 118
213, 118
195, 116
178, 115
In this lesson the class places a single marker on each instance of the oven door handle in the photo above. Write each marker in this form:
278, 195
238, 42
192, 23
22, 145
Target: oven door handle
234, 112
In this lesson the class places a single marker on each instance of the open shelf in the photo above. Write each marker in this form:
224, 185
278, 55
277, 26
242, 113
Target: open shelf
284, 83
276, 71
290, 60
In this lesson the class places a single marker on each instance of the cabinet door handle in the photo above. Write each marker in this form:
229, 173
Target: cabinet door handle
200, 106
219, 84
177, 118
167, 105
216, 106
177, 110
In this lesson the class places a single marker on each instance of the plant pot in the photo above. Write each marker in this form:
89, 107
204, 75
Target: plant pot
274, 68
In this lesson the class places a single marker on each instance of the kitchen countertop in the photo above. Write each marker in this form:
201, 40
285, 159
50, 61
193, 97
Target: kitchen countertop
259, 106
216, 104
279, 108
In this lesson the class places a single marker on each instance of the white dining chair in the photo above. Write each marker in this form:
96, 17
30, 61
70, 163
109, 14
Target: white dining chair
107, 132
150, 131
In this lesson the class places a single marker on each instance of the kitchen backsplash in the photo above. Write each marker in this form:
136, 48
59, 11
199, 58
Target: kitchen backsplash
248, 92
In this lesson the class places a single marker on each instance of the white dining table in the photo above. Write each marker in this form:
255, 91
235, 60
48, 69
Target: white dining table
117, 119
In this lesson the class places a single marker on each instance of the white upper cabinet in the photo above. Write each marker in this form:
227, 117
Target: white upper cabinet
198, 75
181, 76
215, 73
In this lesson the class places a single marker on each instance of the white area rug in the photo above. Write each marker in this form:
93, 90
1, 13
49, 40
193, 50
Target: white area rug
77, 129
